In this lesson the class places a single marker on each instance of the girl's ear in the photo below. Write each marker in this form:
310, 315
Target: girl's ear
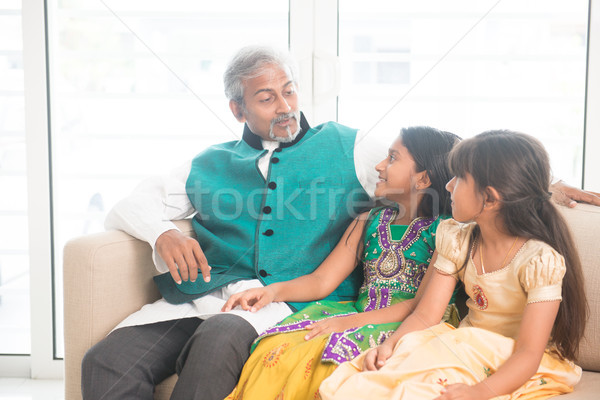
237, 111
423, 181
492, 198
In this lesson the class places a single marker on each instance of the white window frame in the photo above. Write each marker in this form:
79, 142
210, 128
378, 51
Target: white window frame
313, 40
314, 43
37, 134
591, 175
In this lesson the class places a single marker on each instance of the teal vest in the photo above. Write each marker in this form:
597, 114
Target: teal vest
278, 228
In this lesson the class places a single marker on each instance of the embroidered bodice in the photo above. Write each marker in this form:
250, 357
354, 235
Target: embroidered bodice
497, 299
394, 267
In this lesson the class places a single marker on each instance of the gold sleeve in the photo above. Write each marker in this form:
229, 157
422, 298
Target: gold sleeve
542, 277
452, 245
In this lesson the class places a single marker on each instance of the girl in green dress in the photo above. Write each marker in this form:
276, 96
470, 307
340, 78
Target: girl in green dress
393, 245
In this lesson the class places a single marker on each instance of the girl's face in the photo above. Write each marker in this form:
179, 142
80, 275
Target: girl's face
467, 202
396, 173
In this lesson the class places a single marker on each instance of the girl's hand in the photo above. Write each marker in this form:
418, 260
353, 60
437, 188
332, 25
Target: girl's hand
376, 358
335, 324
250, 300
460, 391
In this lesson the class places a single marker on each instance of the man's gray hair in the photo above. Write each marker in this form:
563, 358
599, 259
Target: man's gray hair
248, 63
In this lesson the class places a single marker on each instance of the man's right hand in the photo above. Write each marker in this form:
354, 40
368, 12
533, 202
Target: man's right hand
250, 300
183, 256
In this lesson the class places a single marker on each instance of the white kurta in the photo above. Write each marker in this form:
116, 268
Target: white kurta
148, 211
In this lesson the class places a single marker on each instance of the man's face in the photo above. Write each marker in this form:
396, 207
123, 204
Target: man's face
270, 104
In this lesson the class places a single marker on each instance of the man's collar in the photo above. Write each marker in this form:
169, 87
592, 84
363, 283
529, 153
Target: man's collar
255, 141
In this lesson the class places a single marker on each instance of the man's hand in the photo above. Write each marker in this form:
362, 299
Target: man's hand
376, 358
335, 324
250, 300
183, 256
567, 195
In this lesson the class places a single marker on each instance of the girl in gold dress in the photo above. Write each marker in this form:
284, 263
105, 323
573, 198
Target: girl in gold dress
527, 309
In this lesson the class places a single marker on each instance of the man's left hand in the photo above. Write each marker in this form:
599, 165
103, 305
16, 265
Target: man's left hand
567, 195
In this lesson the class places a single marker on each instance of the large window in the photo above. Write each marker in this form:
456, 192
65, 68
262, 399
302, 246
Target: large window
466, 67
136, 91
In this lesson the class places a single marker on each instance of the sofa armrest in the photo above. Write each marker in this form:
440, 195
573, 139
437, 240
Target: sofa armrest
583, 221
107, 276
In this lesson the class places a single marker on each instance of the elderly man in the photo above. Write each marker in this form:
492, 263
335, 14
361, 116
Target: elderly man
268, 208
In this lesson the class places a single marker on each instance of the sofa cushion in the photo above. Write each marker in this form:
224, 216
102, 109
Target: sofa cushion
587, 388
584, 221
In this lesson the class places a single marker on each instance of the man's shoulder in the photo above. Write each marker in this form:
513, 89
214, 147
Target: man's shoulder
222, 146
333, 136
221, 149
334, 132
335, 127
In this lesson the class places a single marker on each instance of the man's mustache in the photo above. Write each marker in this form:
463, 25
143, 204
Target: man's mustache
283, 117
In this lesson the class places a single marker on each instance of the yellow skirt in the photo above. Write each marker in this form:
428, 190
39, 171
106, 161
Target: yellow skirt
284, 366
424, 362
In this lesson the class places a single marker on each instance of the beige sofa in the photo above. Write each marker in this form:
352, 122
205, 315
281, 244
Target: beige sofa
108, 275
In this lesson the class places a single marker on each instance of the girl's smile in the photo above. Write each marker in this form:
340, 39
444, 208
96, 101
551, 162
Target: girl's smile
396, 173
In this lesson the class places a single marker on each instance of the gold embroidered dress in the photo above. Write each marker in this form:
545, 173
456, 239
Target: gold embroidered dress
425, 361
285, 366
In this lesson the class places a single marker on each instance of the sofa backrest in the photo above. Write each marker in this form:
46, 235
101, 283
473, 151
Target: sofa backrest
584, 221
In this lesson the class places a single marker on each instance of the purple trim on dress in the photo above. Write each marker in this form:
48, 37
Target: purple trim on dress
372, 304
415, 231
296, 326
412, 233
288, 328
339, 348
382, 228
375, 294
385, 297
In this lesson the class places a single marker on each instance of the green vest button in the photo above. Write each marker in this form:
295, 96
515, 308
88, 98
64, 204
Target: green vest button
268, 232
263, 273
272, 185
274, 160
267, 210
